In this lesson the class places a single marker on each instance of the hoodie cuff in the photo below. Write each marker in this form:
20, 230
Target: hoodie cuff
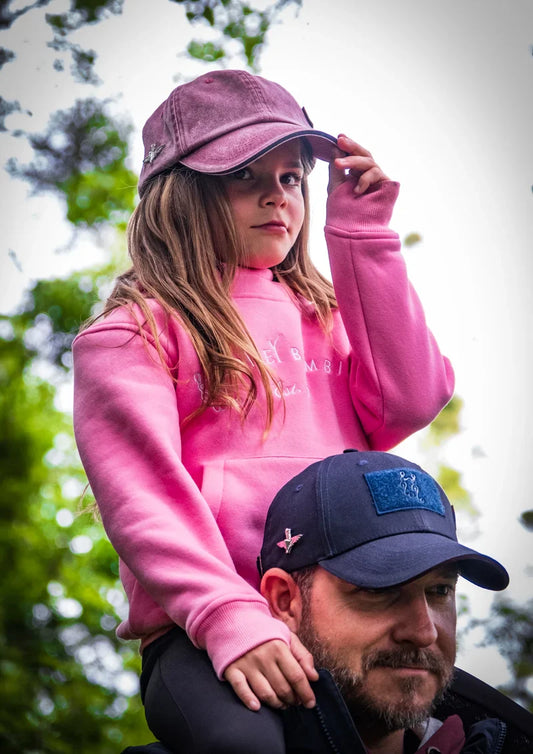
368, 212
235, 628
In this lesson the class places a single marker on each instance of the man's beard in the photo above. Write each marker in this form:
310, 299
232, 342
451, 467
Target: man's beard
387, 716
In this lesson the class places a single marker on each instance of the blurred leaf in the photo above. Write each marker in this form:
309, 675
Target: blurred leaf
526, 519
447, 423
80, 157
53, 313
206, 51
100, 196
6, 108
412, 239
235, 20
6, 56
450, 480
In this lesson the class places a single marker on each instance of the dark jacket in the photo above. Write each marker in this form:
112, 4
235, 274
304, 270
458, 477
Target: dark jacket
477, 720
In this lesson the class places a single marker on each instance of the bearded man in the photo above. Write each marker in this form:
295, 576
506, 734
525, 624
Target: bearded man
360, 559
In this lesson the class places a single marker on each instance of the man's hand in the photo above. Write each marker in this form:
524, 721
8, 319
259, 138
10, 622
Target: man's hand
274, 674
357, 166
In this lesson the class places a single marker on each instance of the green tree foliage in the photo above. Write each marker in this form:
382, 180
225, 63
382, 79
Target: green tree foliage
80, 14
80, 157
509, 626
237, 21
510, 629
65, 677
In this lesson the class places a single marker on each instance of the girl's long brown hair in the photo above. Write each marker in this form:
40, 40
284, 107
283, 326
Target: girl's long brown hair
185, 250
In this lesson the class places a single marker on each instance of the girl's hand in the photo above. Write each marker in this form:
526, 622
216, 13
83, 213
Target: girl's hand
274, 674
363, 171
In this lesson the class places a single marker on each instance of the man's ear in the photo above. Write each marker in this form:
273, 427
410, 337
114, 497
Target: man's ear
283, 597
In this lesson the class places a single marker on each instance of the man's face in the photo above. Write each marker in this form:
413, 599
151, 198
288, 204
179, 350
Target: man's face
391, 651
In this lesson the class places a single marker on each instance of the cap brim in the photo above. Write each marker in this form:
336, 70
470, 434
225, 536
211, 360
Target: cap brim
235, 150
407, 556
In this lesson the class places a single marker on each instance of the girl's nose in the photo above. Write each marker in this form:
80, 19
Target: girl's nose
273, 193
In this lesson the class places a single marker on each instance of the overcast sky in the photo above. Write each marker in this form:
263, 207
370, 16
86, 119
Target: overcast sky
441, 93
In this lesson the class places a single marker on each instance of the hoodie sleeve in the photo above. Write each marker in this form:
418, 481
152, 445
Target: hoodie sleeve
127, 429
399, 379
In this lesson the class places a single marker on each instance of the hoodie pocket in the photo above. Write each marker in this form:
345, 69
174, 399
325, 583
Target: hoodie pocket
239, 492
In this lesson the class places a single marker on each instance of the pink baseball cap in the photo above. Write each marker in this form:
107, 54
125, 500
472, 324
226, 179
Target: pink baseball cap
222, 121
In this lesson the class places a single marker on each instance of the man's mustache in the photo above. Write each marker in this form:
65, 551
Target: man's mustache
422, 659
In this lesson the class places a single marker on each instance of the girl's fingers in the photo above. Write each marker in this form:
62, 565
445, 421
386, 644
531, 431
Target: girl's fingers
260, 675
352, 147
356, 164
336, 173
296, 676
275, 692
273, 674
240, 686
303, 657
255, 688
369, 178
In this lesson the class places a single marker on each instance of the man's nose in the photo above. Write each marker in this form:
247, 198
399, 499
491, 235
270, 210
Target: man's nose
415, 623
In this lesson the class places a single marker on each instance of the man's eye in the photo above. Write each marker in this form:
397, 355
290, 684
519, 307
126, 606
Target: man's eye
377, 595
444, 590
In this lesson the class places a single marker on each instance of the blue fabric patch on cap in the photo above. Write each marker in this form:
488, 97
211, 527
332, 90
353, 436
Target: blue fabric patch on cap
395, 490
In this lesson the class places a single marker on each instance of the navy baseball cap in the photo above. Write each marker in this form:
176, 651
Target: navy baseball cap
372, 519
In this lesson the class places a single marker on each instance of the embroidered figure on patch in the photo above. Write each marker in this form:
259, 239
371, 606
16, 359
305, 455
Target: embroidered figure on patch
409, 485
288, 543
154, 151
394, 490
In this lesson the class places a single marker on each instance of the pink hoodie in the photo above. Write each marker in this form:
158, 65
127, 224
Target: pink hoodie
184, 507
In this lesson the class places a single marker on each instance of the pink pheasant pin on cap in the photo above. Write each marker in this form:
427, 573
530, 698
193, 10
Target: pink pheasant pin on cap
288, 543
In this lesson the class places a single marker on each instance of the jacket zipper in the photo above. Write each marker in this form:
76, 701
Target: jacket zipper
501, 737
326, 731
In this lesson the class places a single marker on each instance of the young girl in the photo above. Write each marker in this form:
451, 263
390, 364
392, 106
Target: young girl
223, 365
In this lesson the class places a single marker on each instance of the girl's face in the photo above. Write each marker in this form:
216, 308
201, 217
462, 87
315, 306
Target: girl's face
268, 205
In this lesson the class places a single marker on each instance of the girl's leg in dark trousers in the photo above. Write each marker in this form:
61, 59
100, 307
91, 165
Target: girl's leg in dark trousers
192, 712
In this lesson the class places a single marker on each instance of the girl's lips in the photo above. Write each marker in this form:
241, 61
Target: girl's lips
275, 226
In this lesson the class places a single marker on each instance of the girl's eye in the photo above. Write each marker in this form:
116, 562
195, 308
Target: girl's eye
241, 175
292, 179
